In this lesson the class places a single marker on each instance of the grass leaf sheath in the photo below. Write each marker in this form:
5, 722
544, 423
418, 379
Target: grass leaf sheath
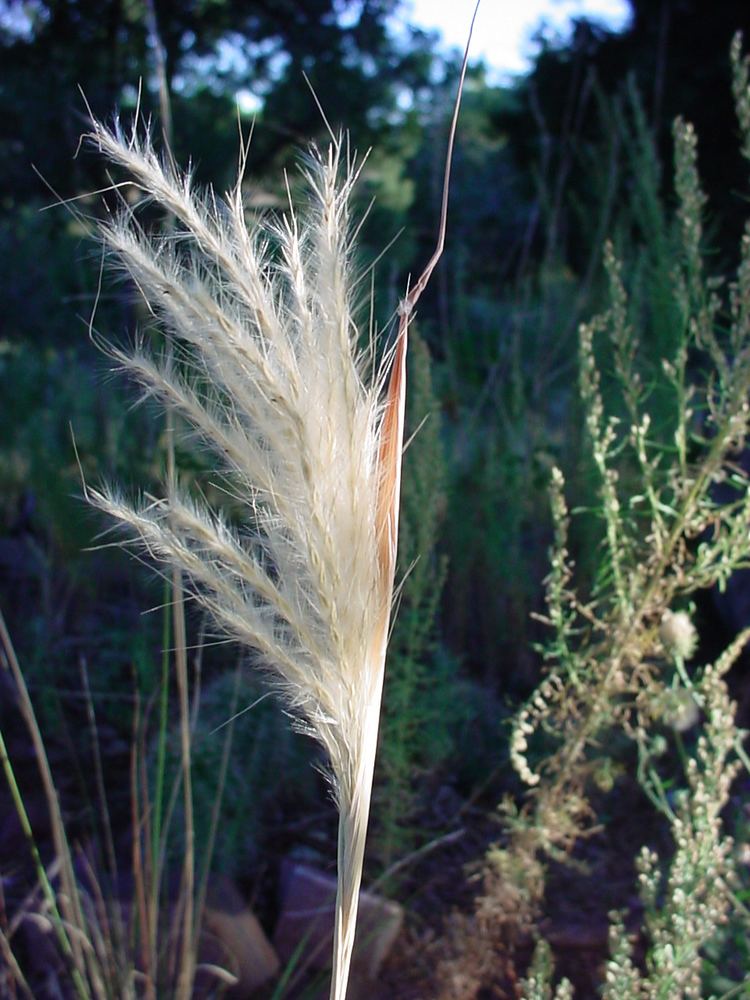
264, 364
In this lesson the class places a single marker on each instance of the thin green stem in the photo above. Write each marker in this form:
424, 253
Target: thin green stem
72, 914
41, 872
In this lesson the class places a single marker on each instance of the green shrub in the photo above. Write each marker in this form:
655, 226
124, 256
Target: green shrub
666, 420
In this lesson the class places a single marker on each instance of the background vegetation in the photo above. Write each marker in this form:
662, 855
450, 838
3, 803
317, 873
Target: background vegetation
577, 152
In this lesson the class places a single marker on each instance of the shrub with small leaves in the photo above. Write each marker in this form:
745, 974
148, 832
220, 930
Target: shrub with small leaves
663, 432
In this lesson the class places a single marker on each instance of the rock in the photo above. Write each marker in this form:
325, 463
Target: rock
232, 939
307, 918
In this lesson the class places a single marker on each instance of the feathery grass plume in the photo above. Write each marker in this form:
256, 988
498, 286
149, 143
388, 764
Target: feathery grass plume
266, 368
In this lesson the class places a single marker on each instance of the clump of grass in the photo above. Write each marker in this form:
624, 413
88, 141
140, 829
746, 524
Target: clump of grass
104, 942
